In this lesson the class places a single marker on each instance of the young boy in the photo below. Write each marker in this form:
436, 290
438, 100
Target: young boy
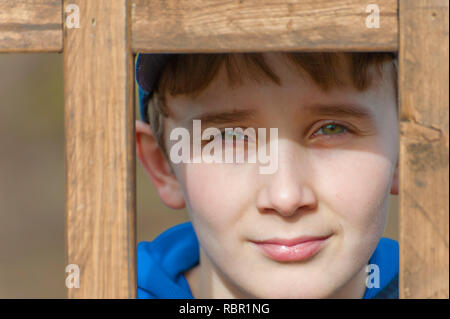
310, 228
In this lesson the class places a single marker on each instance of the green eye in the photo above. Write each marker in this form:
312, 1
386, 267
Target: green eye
332, 129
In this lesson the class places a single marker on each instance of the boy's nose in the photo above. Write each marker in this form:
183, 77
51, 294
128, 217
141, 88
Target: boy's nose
287, 191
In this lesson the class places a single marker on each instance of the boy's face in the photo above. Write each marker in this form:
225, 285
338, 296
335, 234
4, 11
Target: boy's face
330, 181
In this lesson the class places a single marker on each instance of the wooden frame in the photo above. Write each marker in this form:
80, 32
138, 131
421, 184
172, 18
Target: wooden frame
99, 109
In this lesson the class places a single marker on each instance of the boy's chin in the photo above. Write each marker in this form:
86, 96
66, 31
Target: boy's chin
294, 292
297, 294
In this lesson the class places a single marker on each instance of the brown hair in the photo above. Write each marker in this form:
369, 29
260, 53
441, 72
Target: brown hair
190, 74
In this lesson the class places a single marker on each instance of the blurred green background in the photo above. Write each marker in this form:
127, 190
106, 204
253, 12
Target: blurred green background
32, 187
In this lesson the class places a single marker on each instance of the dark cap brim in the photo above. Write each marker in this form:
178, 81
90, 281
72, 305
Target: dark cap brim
148, 69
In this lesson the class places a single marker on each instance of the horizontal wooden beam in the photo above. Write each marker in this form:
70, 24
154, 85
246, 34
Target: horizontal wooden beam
262, 25
31, 26
208, 26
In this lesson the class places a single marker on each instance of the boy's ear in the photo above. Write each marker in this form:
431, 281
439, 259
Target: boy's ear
158, 169
394, 185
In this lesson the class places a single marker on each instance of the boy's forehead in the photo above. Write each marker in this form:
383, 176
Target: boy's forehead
353, 104
349, 109
225, 86
227, 101
222, 94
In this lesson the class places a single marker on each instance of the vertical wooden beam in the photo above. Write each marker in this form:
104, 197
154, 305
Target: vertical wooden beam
424, 154
100, 151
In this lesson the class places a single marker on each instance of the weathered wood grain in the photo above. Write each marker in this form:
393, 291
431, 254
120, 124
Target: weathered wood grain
261, 25
31, 26
100, 151
424, 153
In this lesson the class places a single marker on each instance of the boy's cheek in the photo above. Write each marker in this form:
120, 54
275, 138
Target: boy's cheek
357, 190
216, 202
215, 192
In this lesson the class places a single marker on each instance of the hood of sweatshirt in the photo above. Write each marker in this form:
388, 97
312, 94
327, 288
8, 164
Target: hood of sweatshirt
162, 262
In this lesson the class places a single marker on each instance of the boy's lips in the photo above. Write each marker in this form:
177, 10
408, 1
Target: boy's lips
294, 249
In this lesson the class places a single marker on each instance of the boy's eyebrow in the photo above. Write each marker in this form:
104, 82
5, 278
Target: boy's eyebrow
342, 110
220, 118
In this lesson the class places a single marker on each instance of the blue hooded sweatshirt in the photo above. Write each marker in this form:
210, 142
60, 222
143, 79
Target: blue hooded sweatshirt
162, 262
